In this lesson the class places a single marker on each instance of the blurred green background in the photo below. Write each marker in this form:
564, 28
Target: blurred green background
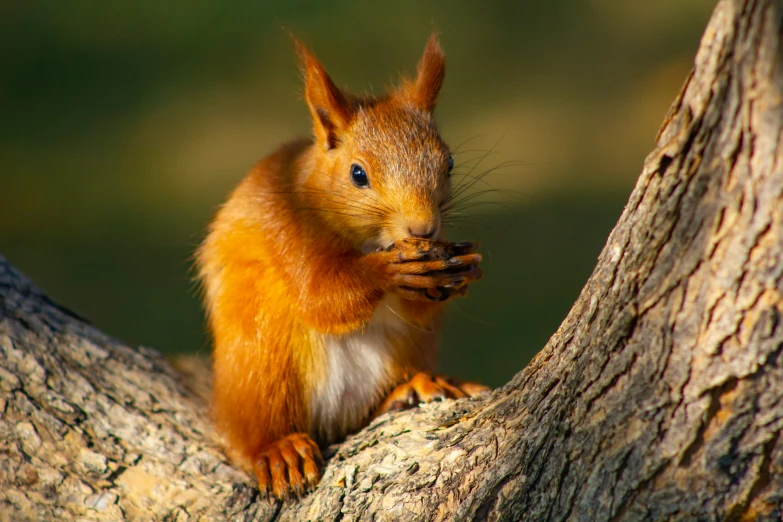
124, 124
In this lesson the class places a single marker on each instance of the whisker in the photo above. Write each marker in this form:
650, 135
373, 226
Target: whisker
464, 186
457, 148
329, 211
358, 205
457, 203
369, 195
429, 331
471, 317
454, 225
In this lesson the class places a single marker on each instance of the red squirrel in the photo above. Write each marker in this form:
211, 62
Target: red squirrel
325, 275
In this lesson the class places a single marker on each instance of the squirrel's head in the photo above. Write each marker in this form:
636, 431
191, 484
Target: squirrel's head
379, 170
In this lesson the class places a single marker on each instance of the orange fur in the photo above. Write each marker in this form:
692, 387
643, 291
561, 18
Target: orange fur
300, 262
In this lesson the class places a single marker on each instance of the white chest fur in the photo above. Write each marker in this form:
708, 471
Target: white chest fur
357, 370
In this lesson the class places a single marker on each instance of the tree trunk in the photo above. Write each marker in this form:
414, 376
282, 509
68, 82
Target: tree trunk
660, 397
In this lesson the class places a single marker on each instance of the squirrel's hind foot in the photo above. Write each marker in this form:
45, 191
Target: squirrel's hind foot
424, 388
288, 467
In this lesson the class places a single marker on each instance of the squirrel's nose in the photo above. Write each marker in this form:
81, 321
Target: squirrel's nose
423, 231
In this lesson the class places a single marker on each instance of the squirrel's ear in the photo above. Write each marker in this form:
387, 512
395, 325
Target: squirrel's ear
331, 111
423, 93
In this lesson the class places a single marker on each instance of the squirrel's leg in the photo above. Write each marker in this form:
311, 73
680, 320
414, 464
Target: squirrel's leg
338, 298
423, 388
288, 466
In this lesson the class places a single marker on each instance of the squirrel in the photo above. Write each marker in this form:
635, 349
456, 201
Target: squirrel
325, 274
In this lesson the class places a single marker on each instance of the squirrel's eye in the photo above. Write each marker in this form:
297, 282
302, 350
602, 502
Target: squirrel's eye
359, 176
451, 164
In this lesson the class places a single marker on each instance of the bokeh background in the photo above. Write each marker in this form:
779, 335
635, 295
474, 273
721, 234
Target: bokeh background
124, 124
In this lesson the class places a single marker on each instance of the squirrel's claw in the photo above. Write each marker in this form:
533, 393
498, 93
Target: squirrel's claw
424, 388
288, 467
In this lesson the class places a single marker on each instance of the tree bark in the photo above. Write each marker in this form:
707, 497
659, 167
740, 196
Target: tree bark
660, 397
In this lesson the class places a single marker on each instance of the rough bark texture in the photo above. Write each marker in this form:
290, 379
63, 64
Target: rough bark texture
660, 397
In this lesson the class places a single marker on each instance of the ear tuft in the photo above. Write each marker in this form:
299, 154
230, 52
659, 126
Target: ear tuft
429, 76
329, 107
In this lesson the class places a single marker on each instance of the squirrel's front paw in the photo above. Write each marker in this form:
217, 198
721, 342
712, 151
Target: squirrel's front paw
426, 270
288, 466
424, 388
